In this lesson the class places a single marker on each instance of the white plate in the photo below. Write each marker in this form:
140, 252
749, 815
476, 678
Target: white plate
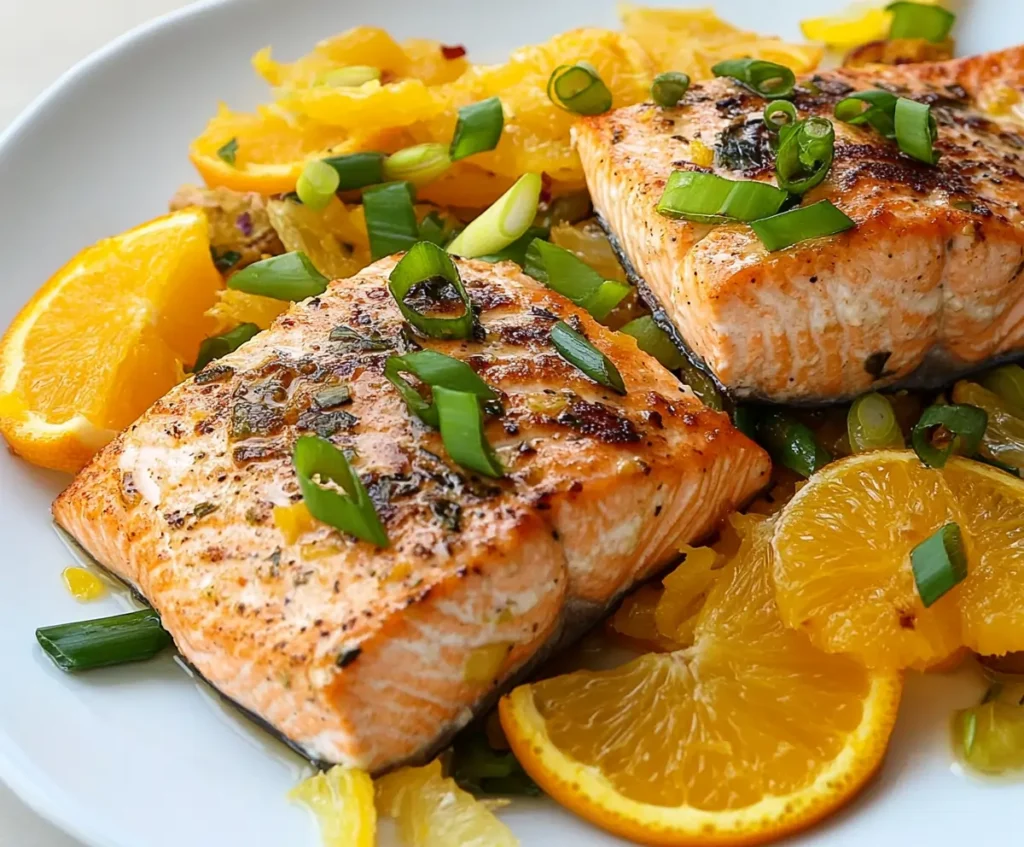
143, 757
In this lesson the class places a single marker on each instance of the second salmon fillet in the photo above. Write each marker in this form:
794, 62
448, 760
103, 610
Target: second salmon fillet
371, 657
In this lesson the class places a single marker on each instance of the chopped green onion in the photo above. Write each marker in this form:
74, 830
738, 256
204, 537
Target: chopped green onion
779, 113
229, 152
225, 261
578, 88
871, 424
916, 130
330, 398
390, 218
357, 170
805, 155
668, 88
483, 771
462, 431
220, 345
427, 270
654, 341
744, 418
290, 276
503, 222
435, 229
801, 224
316, 185
607, 298
767, 79
103, 643
920, 20
434, 369
420, 164
516, 251
478, 129
790, 443
352, 76
939, 563
578, 351
875, 108
707, 198
564, 272
964, 424
352, 511
1007, 382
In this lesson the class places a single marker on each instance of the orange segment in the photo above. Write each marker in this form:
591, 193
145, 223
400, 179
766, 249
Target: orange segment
104, 338
749, 734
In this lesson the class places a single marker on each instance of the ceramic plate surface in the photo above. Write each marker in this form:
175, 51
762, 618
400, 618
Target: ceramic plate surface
145, 757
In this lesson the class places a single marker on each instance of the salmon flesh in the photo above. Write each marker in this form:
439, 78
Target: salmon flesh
928, 285
372, 657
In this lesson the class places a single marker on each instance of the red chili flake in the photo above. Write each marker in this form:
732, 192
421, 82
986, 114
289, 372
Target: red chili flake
546, 182
456, 51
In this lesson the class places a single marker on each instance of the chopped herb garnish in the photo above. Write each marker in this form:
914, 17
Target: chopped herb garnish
939, 563
220, 345
225, 261
229, 152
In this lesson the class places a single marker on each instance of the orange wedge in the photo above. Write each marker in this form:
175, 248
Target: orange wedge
748, 735
104, 338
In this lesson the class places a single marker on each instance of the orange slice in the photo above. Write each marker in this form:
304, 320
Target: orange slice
842, 559
104, 338
748, 735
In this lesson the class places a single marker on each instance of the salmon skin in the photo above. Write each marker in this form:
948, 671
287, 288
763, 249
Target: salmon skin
927, 286
373, 657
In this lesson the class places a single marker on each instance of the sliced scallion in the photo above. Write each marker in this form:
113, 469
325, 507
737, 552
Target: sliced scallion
790, 443
871, 424
875, 108
478, 129
315, 458
103, 643
220, 345
290, 276
564, 272
767, 79
351, 76
801, 224
605, 300
707, 198
357, 170
779, 113
420, 164
516, 251
916, 130
654, 341
462, 431
668, 88
316, 185
429, 271
390, 218
503, 222
228, 153
578, 351
805, 155
939, 563
579, 88
920, 20
435, 370
962, 426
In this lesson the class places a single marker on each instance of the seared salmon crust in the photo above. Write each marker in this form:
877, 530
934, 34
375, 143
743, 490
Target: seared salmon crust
372, 657
928, 285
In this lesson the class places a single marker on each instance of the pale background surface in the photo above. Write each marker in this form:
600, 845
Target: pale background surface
43, 39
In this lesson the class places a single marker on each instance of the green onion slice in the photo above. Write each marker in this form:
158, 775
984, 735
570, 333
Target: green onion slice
790, 443
428, 270
357, 170
706, 198
874, 108
916, 130
918, 20
767, 79
801, 224
805, 154
564, 272
503, 222
478, 129
668, 88
516, 251
351, 76
436, 370
228, 152
316, 185
576, 350
352, 511
779, 113
579, 88
462, 431
654, 341
103, 643
390, 218
605, 300
871, 424
220, 345
966, 425
420, 164
290, 276
939, 563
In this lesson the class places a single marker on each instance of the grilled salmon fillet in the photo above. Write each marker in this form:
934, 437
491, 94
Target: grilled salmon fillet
371, 657
929, 283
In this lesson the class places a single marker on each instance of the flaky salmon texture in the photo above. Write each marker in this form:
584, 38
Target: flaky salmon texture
370, 657
929, 284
